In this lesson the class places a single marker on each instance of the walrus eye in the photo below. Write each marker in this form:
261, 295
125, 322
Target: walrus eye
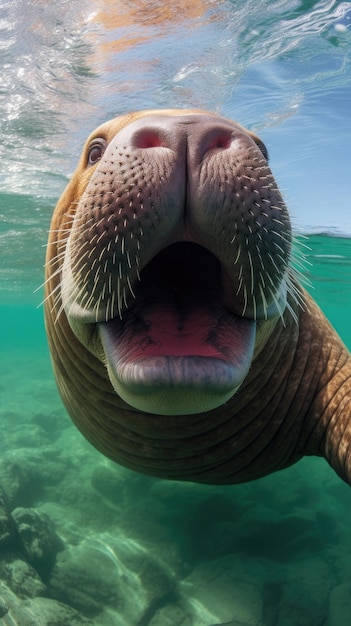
96, 151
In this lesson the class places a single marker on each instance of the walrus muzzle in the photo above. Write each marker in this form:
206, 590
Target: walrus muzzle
170, 292
178, 246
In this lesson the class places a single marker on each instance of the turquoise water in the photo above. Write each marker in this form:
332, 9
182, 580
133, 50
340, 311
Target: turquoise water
130, 550
276, 550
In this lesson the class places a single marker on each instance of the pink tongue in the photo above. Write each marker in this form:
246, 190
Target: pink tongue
164, 347
173, 335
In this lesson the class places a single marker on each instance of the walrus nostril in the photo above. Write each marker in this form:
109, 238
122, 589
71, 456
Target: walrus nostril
217, 138
147, 138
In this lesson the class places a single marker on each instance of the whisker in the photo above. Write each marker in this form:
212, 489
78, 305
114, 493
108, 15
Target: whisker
278, 306
292, 312
264, 301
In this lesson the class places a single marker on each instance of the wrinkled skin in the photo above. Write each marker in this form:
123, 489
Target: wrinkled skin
182, 344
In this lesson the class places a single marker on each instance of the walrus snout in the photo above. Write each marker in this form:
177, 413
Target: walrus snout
170, 178
167, 198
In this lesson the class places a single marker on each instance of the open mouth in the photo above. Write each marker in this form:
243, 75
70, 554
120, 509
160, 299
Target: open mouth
178, 348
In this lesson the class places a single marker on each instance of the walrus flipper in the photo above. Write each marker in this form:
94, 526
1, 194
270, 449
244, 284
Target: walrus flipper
327, 425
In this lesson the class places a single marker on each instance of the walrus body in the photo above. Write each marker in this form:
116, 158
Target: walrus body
182, 344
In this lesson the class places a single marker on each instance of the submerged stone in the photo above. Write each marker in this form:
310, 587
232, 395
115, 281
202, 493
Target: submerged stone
39, 539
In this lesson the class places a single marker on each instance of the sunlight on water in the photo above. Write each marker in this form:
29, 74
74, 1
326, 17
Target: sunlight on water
276, 67
127, 550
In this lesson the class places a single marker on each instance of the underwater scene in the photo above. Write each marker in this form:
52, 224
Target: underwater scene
84, 541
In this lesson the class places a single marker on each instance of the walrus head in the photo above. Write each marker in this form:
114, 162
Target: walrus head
173, 245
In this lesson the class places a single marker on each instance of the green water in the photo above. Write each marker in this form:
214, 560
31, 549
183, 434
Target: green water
330, 277
276, 550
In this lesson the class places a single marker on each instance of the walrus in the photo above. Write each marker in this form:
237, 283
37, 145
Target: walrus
182, 341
